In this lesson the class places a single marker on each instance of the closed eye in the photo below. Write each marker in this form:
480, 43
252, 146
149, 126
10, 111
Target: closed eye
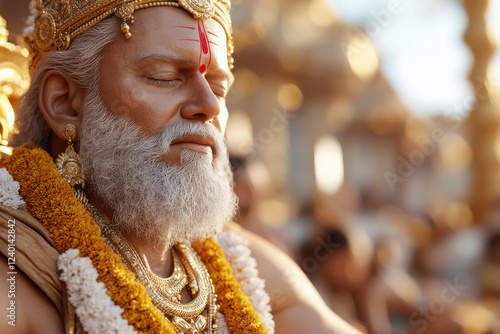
219, 92
162, 82
219, 88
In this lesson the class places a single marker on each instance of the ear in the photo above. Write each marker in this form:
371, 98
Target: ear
60, 101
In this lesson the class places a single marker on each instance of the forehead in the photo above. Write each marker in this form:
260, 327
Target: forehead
172, 31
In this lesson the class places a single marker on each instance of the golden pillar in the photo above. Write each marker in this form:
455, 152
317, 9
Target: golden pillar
484, 118
14, 80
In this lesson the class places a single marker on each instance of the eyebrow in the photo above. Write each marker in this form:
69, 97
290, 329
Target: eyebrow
226, 75
163, 57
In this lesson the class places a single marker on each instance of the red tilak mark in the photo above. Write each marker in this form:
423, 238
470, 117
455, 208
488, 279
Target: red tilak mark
214, 43
184, 27
203, 37
205, 52
211, 33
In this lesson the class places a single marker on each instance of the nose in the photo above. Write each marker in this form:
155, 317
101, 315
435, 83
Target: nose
202, 105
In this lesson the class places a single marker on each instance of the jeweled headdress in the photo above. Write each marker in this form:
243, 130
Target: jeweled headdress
57, 22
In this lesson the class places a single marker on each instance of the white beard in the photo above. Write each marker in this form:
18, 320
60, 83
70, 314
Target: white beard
151, 199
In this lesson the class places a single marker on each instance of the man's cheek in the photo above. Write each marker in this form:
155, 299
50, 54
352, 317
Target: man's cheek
127, 104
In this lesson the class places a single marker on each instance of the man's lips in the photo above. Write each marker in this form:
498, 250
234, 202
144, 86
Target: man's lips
197, 143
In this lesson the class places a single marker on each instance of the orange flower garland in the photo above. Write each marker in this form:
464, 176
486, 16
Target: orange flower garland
50, 199
228, 290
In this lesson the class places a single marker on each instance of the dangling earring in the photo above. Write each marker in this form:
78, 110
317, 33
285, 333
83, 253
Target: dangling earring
69, 163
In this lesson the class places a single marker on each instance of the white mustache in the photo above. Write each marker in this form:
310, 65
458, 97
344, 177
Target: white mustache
175, 132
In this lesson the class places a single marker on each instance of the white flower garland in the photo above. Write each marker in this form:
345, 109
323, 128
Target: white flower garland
245, 270
94, 308
222, 329
9, 191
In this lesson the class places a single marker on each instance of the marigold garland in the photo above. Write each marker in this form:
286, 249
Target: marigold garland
50, 199
228, 290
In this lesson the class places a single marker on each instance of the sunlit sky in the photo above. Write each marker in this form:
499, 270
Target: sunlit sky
421, 48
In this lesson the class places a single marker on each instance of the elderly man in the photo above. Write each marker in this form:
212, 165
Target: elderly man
117, 236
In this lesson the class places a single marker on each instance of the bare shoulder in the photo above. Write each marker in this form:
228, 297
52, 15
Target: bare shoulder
28, 309
296, 305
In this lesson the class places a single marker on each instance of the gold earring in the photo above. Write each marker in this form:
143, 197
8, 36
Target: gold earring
69, 163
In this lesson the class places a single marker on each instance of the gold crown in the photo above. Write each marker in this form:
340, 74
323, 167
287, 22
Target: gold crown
57, 22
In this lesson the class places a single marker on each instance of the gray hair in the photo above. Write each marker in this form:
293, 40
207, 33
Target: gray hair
80, 63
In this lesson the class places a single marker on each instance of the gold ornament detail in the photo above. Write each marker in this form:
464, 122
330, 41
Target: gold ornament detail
45, 31
203, 9
69, 163
63, 42
68, 7
126, 12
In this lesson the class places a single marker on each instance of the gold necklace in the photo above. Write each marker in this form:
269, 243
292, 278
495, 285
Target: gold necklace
169, 287
165, 293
